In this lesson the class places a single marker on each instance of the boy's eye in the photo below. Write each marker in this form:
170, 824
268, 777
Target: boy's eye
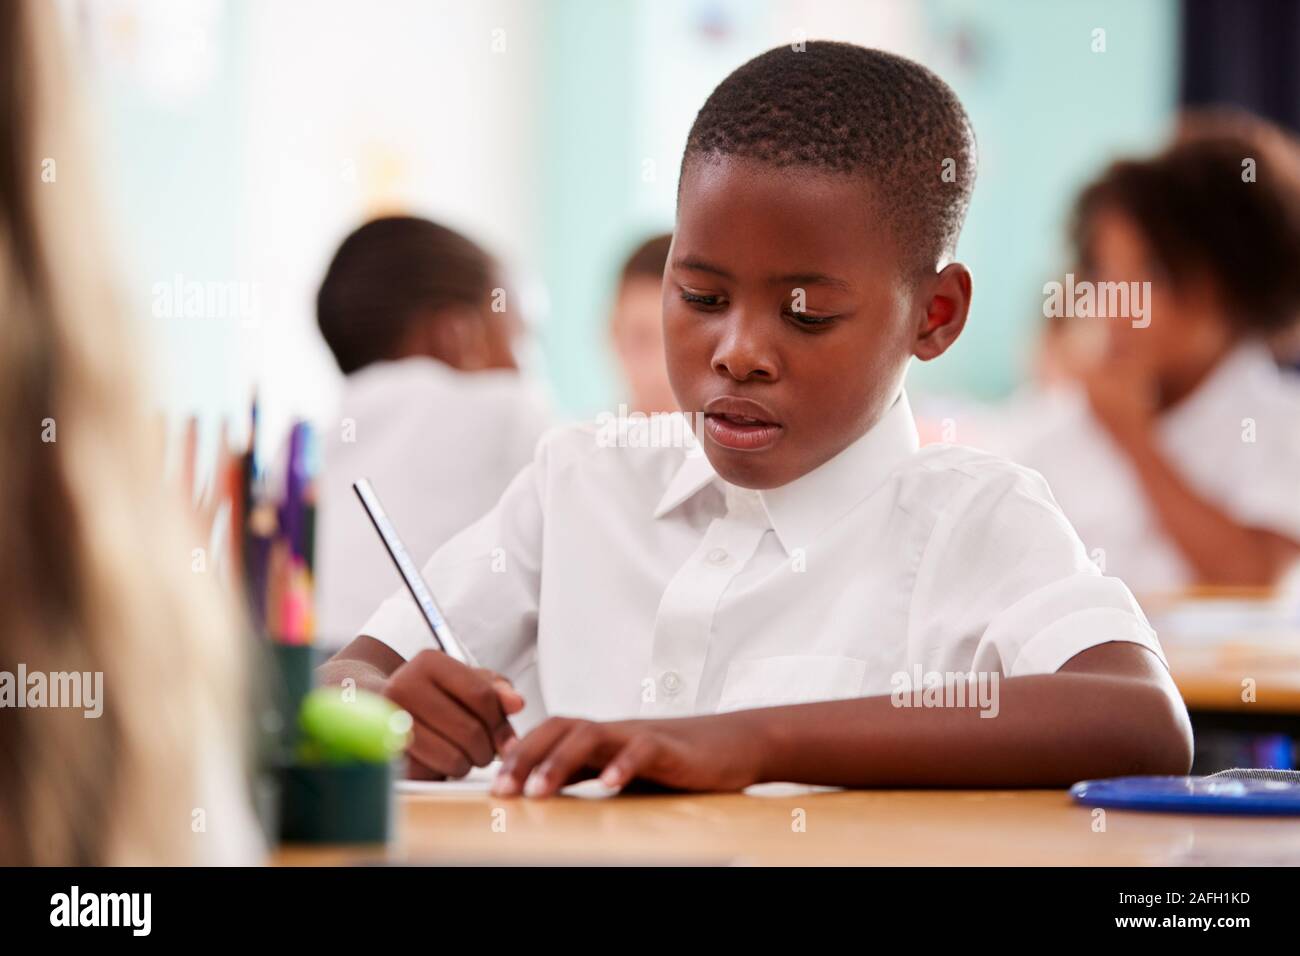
706, 301
810, 321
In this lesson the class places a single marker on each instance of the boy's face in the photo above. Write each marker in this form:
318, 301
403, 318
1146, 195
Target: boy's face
788, 316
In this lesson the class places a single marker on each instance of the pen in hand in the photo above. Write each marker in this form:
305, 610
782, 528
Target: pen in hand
461, 710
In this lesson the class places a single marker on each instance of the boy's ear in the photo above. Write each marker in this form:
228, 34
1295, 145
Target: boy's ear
946, 307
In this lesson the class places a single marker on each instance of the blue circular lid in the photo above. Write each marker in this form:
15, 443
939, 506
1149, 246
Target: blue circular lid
1191, 794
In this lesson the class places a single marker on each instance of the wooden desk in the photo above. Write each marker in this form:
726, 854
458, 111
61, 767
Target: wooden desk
1211, 678
886, 828
1216, 658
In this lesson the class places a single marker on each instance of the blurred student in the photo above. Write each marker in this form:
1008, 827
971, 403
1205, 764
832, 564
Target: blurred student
1215, 123
637, 327
126, 661
1177, 455
434, 411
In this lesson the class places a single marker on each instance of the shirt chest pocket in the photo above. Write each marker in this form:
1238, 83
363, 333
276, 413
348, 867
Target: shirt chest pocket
791, 679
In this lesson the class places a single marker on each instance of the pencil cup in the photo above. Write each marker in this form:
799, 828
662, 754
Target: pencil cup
338, 787
336, 803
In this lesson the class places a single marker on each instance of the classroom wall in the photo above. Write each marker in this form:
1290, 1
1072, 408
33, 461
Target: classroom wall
552, 131
166, 92
1028, 76
316, 115
1014, 63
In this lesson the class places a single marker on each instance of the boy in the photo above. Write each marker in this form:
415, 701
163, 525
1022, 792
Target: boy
434, 411
756, 612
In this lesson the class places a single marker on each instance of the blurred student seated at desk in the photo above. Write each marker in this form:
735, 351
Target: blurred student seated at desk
637, 327
434, 410
1175, 452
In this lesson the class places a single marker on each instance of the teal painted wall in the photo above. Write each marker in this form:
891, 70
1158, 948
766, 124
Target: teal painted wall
177, 175
1048, 114
589, 172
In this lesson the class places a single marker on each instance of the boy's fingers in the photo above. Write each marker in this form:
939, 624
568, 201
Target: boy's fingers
512, 702
462, 728
474, 692
634, 760
431, 750
434, 707
526, 754
418, 771
578, 748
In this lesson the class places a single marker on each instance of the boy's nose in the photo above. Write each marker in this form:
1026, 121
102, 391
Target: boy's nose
742, 353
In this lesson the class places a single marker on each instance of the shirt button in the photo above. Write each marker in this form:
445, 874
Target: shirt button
718, 556
671, 682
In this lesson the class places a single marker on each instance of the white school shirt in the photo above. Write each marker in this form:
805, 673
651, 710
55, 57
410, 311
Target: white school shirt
1235, 441
439, 445
617, 582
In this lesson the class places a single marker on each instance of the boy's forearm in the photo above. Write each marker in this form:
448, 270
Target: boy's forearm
367, 661
336, 670
1049, 731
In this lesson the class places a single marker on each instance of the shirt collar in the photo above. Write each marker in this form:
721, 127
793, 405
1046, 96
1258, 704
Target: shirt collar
803, 508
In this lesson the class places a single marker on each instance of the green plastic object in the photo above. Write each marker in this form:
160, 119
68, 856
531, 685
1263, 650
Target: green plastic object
346, 725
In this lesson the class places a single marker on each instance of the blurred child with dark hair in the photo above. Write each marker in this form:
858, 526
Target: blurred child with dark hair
1178, 457
637, 327
434, 410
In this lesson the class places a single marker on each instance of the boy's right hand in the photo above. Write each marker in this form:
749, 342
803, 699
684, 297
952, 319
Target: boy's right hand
459, 712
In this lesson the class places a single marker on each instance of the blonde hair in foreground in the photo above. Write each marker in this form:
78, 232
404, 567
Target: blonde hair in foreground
94, 553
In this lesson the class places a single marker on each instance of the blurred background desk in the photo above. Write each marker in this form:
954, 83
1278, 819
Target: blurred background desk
1235, 655
879, 828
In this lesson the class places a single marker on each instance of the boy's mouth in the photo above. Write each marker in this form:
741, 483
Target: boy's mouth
740, 424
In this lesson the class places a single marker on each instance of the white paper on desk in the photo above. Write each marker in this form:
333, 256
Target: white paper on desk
786, 789
479, 780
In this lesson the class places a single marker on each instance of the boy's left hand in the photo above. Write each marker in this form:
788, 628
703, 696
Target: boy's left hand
694, 753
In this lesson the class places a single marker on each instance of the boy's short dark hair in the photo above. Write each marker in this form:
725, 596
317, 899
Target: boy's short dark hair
1203, 214
385, 274
848, 109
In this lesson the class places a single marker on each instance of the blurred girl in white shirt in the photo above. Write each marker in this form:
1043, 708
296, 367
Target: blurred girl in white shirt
1177, 458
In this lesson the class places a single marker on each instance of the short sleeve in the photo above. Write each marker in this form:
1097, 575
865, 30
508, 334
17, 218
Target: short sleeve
486, 580
1006, 585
